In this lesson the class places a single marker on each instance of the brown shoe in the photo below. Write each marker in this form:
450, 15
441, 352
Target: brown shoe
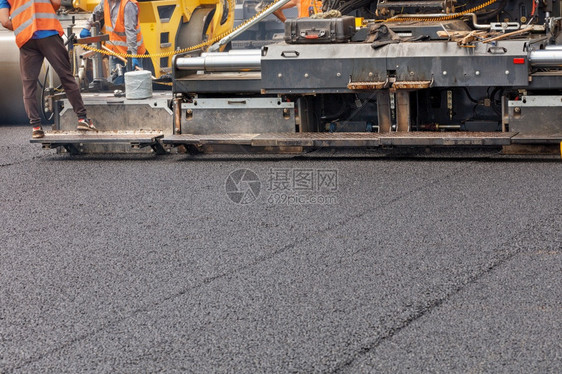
37, 132
86, 124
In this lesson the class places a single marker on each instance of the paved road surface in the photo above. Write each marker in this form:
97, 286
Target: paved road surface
145, 264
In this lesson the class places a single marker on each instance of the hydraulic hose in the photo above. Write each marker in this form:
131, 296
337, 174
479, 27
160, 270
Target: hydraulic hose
493, 13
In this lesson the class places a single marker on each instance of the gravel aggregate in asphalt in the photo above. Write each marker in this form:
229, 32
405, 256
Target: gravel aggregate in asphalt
143, 264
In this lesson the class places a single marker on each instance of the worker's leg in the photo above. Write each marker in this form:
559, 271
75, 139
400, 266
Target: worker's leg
31, 61
54, 51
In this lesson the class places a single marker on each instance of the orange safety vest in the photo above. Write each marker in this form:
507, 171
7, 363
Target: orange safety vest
29, 16
117, 37
309, 7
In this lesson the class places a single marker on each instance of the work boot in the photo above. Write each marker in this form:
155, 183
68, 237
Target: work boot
86, 124
37, 132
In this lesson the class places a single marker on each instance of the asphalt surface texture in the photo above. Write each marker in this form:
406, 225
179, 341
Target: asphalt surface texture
329, 262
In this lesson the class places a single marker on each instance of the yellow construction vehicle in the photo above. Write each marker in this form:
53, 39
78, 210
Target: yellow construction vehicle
169, 25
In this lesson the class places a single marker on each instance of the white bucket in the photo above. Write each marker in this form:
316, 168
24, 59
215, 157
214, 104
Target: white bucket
138, 84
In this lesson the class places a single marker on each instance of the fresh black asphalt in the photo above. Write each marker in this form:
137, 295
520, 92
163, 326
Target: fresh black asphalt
134, 264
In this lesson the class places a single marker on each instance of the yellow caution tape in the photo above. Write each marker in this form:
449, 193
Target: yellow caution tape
445, 18
164, 83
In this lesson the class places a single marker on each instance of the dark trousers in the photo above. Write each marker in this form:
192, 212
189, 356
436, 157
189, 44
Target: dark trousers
32, 54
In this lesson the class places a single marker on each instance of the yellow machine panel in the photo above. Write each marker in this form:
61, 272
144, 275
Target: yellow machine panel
87, 5
170, 25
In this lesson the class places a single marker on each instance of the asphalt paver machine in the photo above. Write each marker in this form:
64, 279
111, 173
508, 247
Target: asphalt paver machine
369, 74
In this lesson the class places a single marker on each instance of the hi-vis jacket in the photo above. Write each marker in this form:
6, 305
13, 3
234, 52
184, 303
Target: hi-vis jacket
117, 36
309, 7
29, 16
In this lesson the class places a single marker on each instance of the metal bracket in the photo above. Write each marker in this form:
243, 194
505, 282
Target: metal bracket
505, 26
156, 146
368, 85
71, 148
412, 85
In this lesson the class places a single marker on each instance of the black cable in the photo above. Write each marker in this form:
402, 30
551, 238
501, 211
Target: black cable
492, 98
493, 13
349, 7
470, 97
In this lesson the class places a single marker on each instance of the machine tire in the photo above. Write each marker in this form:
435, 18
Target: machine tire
194, 31
43, 82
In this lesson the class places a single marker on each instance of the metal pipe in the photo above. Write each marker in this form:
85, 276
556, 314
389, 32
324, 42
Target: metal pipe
213, 62
234, 52
11, 103
215, 47
97, 60
177, 114
546, 57
447, 127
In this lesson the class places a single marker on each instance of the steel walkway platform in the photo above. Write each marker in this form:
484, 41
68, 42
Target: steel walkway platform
343, 139
528, 139
71, 140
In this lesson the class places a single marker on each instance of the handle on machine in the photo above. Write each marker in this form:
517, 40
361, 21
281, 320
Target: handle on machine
290, 54
313, 34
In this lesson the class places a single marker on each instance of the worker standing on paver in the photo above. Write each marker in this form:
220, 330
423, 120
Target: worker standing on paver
121, 19
39, 35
